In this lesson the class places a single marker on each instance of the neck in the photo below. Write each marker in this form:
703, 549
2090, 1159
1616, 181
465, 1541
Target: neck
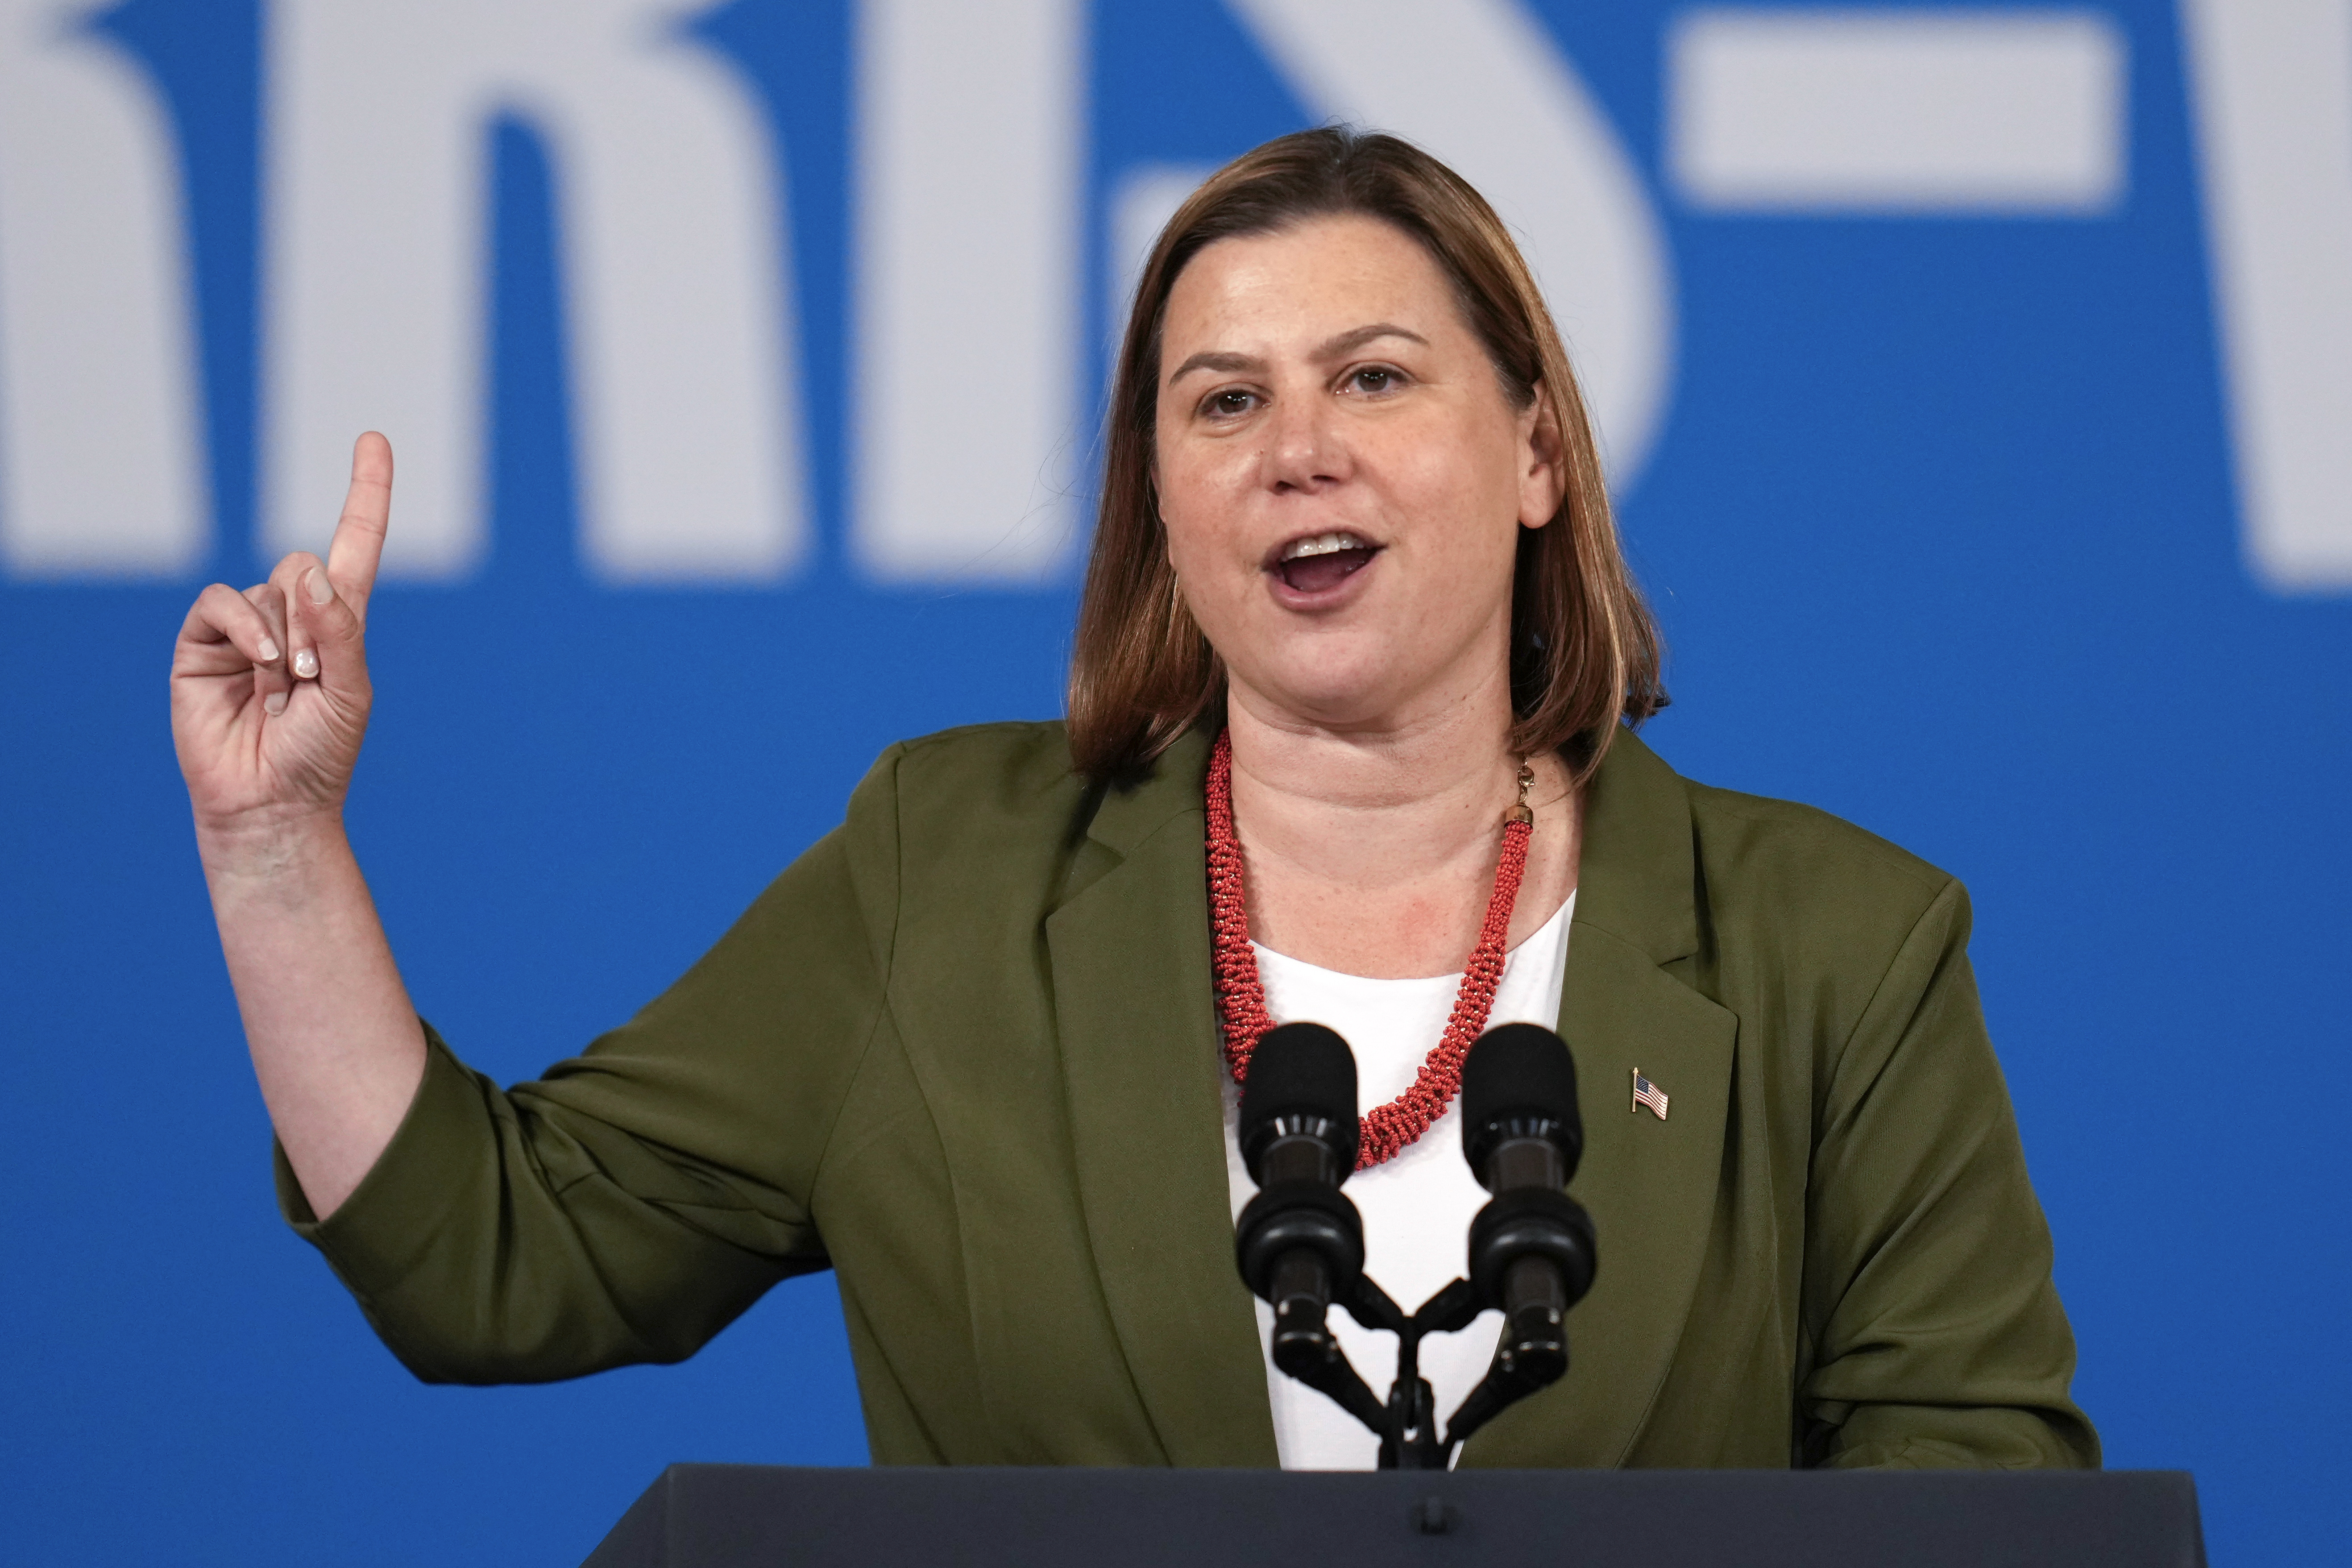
1379, 805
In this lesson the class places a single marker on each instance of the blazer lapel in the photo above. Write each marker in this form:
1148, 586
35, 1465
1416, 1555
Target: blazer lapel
1140, 1055
1650, 1185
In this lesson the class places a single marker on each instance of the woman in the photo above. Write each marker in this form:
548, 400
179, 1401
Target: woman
1355, 596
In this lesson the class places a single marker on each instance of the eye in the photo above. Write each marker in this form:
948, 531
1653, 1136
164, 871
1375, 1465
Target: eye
1373, 380
1229, 404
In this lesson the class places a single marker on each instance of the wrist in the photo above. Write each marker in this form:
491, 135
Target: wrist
270, 845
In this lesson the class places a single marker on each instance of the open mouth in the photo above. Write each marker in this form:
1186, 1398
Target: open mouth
1321, 560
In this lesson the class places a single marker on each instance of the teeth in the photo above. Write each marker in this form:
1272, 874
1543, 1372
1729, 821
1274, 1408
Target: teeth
1322, 544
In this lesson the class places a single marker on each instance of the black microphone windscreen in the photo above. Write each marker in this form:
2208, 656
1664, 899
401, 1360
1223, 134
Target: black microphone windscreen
1518, 1071
1299, 1070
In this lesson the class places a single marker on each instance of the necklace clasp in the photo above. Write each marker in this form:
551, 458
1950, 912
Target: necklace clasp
1521, 812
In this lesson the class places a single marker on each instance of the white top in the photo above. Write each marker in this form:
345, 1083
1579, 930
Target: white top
1417, 1207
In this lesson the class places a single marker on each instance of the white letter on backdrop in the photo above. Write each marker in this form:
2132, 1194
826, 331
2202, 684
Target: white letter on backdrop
2273, 90
970, 152
102, 470
672, 252
1898, 111
1481, 85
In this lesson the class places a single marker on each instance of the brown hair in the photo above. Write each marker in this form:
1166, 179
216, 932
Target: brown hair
1584, 649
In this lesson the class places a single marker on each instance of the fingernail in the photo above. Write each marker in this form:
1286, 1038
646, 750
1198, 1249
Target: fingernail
274, 704
306, 664
315, 586
270, 651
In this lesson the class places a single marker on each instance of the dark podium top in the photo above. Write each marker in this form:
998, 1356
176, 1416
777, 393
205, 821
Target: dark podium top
722, 1516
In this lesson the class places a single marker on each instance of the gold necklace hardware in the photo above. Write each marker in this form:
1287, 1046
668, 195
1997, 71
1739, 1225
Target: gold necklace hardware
1520, 813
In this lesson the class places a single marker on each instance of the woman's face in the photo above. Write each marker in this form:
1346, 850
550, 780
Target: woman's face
1342, 477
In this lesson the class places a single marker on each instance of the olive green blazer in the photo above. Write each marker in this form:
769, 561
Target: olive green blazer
963, 1051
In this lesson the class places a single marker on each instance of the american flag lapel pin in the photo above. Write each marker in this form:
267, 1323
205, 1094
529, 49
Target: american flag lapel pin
1649, 1094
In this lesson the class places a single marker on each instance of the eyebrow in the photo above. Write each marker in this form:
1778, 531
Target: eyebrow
1345, 343
1348, 342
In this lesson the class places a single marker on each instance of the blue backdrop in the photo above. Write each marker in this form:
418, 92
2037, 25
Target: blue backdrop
1940, 523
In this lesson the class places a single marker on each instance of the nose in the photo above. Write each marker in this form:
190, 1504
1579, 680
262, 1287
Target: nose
1303, 451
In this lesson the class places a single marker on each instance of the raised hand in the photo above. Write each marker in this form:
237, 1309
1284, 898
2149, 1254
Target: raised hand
269, 686
269, 702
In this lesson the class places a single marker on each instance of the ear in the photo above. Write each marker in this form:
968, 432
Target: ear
1543, 460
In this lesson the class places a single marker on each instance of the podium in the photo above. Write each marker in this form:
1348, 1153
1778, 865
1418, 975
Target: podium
733, 1516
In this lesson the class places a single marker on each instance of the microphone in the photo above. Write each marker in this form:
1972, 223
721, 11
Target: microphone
1300, 1243
1531, 1248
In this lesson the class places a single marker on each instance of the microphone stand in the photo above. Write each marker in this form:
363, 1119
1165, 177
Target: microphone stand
1305, 1347
1408, 1428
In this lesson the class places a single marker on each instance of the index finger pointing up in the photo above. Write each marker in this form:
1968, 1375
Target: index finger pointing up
357, 546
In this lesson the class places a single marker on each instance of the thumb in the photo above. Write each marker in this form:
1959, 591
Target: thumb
336, 630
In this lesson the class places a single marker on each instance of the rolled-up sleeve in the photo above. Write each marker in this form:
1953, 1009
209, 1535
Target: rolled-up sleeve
636, 1199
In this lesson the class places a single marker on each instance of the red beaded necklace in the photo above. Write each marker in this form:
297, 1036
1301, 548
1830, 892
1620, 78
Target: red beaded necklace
1240, 997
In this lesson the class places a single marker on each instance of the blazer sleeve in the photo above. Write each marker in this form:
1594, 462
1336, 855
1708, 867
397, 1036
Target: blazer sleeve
636, 1199
1935, 1331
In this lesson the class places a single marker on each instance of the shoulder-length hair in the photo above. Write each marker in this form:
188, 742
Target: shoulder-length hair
1584, 649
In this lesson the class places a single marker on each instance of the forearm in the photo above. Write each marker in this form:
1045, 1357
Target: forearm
1931, 1437
630, 1202
336, 1044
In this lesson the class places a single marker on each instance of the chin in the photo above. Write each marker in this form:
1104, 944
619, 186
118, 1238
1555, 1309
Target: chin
1333, 694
